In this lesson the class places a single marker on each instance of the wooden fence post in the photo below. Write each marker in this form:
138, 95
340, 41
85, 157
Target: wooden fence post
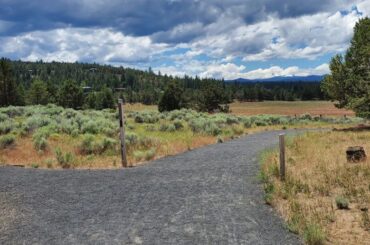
282, 156
122, 133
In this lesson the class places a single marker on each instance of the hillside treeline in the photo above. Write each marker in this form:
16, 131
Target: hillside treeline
81, 85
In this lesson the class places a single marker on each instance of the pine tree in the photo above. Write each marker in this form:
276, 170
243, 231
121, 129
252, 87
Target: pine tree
172, 98
70, 95
8, 87
38, 93
349, 81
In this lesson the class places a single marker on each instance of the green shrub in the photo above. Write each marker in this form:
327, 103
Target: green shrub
90, 127
67, 126
64, 160
144, 155
342, 203
139, 119
167, 128
40, 143
232, 120
147, 141
49, 163
305, 117
131, 139
212, 129
261, 123
3, 117
202, 125
247, 123
313, 234
70, 113
238, 130
178, 124
138, 155
150, 128
149, 155
87, 145
13, 111
39, 138
36, 121
108, 144
6, 127
6, 141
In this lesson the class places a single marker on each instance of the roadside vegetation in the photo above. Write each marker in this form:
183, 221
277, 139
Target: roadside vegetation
53, 137
324, 198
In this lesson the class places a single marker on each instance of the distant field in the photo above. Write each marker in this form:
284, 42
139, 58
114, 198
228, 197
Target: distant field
140, 107
325, 108
288, 108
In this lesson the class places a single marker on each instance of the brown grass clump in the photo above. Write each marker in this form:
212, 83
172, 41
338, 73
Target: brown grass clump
320, 183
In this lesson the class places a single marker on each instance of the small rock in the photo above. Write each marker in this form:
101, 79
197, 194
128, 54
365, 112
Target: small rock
356, 154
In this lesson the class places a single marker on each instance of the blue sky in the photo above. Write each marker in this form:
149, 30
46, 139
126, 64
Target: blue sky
208, 38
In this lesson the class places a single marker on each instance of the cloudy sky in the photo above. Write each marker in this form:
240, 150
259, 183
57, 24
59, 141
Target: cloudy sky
209, 38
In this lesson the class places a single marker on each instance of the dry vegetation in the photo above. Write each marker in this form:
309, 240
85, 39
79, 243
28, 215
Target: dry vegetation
326, 108
53, 137
324, 198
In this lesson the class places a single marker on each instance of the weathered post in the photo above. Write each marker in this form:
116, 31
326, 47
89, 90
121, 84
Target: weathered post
282, 156
122, 133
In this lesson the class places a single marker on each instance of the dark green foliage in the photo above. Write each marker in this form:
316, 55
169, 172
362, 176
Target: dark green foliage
70, 95
38, 93
172, 98
105, 99
349, 81
8, 87
212, 96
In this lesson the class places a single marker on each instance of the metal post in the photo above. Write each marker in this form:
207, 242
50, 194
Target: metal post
282, 156
122, 133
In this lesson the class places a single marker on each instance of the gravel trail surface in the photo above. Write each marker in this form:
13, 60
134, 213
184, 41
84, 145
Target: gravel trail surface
209, 195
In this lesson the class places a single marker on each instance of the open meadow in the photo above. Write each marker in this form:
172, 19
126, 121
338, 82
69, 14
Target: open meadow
53, 137
325, 108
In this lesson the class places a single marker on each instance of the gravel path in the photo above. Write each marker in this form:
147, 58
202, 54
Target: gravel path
209, 195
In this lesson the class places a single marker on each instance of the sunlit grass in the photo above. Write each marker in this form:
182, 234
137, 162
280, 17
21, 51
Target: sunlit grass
325, 108
324, 197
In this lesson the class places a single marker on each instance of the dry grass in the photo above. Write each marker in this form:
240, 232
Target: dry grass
23, 152
318, 173
140, 107
270, 107
288, 108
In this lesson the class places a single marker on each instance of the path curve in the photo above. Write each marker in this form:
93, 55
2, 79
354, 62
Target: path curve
209, 195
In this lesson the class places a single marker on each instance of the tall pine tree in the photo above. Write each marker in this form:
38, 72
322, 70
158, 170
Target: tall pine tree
349, 81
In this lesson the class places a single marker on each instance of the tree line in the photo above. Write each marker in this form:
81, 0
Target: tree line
81, 85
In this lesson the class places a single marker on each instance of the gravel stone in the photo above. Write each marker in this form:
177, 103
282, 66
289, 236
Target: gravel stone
209, 195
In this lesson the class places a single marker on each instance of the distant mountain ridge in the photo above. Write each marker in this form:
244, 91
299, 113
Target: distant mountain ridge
311, 78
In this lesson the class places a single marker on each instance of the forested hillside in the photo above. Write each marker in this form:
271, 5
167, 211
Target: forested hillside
81, 85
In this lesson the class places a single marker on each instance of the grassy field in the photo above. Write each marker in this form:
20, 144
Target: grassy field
324, 198
325, 108
53, 137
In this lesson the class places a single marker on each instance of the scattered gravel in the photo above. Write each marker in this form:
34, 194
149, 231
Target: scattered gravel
209, 195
